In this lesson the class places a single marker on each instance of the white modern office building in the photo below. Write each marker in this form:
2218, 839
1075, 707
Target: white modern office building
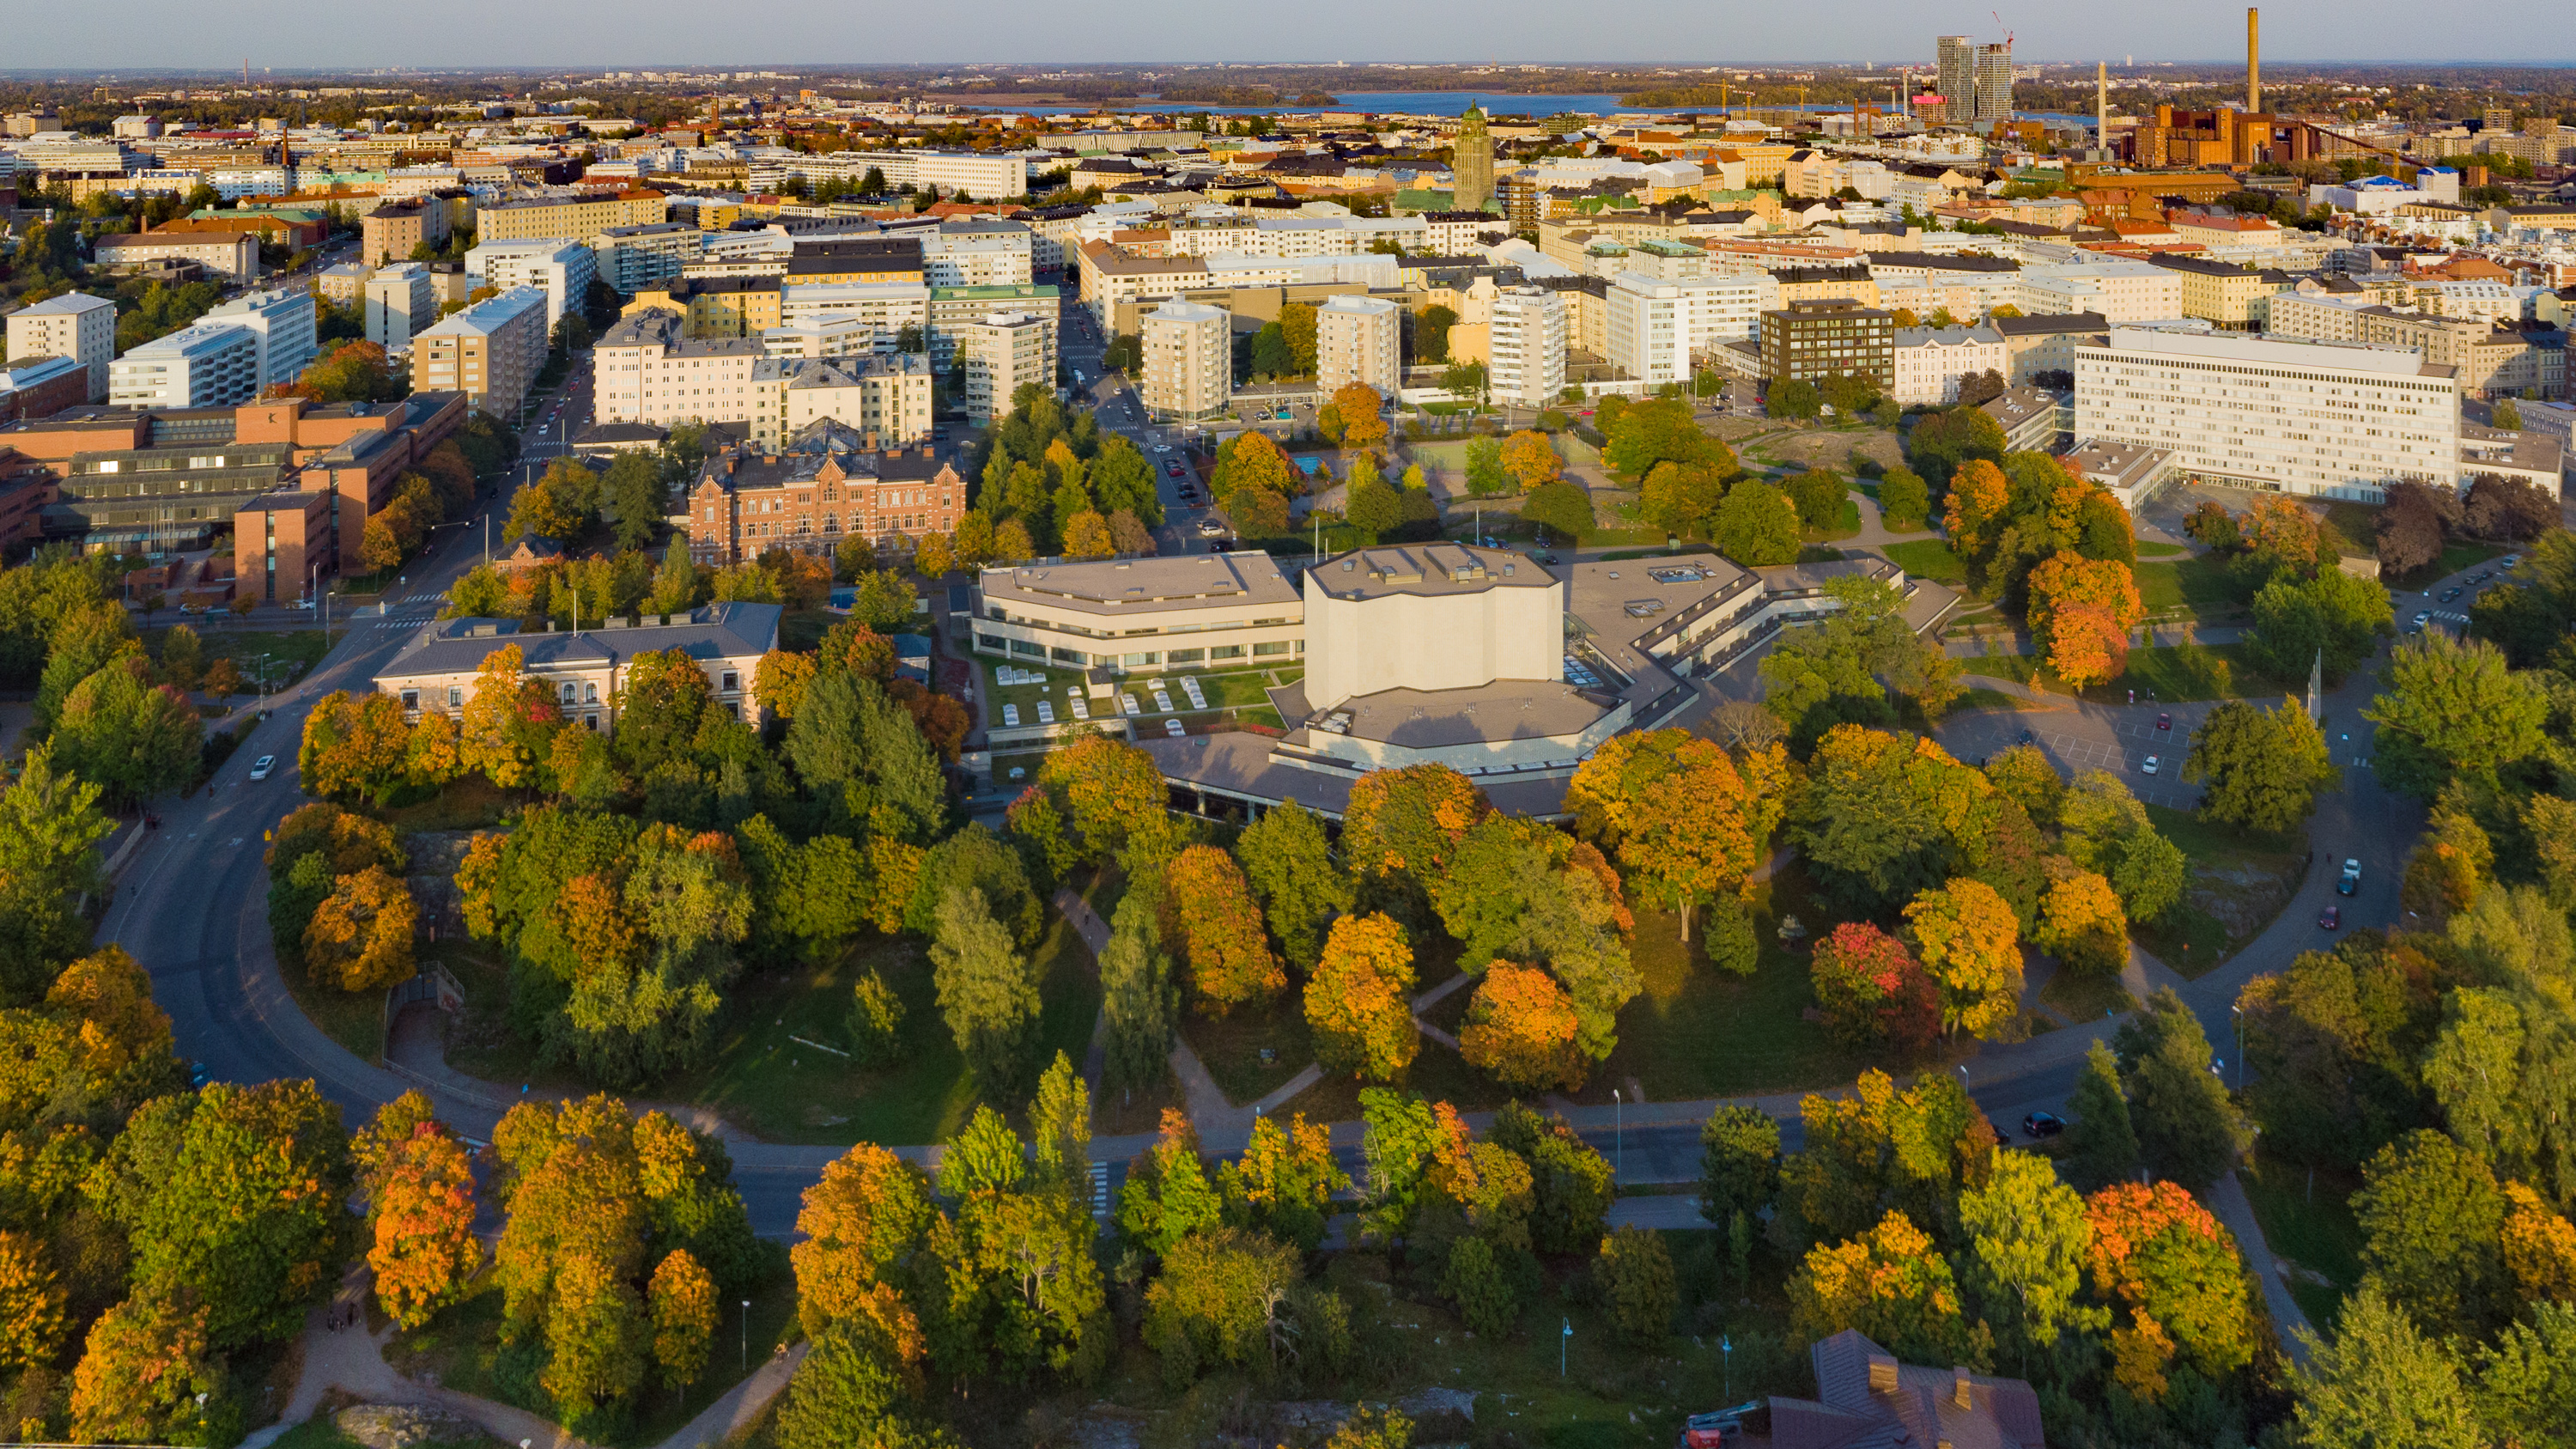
74, 325
1359, 338
2323, 419
283, 323
1526, 366
209, 365
561, 268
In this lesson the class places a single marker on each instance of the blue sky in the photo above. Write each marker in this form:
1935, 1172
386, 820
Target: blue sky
756, 33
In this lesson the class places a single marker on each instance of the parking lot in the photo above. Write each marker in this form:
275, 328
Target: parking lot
2077, 738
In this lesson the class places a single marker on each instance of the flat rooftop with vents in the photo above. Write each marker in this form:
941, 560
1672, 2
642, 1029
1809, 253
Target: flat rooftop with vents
1141, 615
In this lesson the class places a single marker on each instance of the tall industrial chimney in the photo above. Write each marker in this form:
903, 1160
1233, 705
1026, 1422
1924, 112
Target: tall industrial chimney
2102, 107
2253, 59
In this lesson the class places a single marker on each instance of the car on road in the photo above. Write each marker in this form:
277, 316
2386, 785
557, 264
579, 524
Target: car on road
260, 768
2509, 561
2164, 721
2028, 737
199, 1074
1210, 528
1162, 447
2152, 764
2421, 619
2450, 593
1174, 728
2349, 883
2332, 918
1175, 469
2043, 1124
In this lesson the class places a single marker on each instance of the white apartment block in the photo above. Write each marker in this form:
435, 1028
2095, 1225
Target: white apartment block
1647, 326
836, 337
283, 323
401, 300
1932, 361
643, 370
2121, 291
1189, 360
631, 258
887, 398
209, 365
1526, 366
1359, 339
980, 174
74, 325
1003, 352
561, 268
884, 308
977, 253
2322, 419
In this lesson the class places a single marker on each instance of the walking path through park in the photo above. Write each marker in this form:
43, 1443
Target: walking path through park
2227, 1199
352, 1360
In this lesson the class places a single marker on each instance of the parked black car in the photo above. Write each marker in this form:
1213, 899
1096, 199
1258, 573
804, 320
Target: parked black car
2043, 1124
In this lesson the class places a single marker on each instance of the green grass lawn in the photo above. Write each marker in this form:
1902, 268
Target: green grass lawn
2175, 672
462, 1347
2307, 1219
300, 648
785, 1090
2455, 557
1928, 558
1698, 1032
2082, 996
354, 1019
2358, 525
1844, 527
469, 803
1994, 699
2197, 584
2240, 880
2161, 550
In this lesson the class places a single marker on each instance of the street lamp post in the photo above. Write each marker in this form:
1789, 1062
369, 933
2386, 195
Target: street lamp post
2239, 1013
746, 1335
1562, 1340
1618, 1136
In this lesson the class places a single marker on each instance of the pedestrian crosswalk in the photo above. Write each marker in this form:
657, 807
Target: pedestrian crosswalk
1100, 1190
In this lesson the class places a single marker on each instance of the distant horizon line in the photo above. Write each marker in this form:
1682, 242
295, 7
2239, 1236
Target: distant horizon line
2238, 61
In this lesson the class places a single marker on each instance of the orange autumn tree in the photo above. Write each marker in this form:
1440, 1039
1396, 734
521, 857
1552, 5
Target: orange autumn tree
1531, 460
868, 1213
32, 1320
1520, 1027
2081, 612
1357, 1002
1359, 406
2539, 1248
2174, 1273
422, 1201
1673, 808
683, 1301
354, 746
144, 1363
1890, 1284
1979, 494
1209, 911
1970, 941
360, 937
1111, 793
2080, 921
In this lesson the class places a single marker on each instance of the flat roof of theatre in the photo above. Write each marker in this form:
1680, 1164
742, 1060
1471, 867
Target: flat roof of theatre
1432, 570
1144, 585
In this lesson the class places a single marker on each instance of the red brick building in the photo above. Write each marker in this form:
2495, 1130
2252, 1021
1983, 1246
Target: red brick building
818, 491
282, 543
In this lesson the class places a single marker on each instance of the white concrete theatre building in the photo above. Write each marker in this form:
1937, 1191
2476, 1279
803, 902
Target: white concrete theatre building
2326, 419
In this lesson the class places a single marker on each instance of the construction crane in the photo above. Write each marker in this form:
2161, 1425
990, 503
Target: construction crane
1999, 25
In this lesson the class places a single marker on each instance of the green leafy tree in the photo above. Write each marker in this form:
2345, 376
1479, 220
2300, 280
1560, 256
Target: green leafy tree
50, 829
987, 990
1635, 1272
2526, 1379
1398, 1139
1290, 867
132, 737
2187, 1129
2381, 1383
2259, 769
1904, 504
1570, 1181
1739, 1163
1140, 1000
2453, 709
1756, 526
2102, 1143
2026, 1239
1819, 494
2431, 1214
1563, 509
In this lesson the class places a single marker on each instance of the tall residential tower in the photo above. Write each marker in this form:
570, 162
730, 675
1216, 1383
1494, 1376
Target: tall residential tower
1471, 168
